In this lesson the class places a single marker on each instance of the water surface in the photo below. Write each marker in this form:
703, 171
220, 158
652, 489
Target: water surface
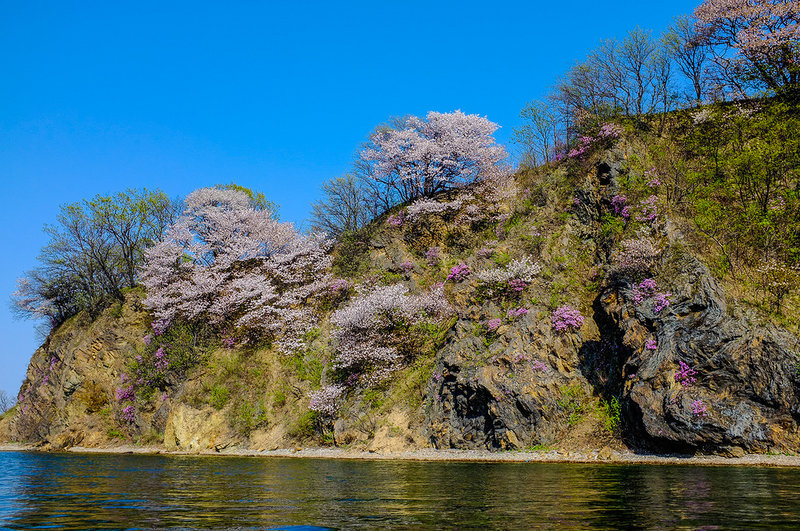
74, 491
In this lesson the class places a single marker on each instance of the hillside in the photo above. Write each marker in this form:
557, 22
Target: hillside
582, 306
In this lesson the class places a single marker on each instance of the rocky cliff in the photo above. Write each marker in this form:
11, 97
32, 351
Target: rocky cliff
661, 360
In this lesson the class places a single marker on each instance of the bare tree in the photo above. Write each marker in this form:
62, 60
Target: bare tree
689, 54
345, 206
6, 402
537, 134
93, 253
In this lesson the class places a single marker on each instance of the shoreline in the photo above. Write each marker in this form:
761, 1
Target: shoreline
430, 454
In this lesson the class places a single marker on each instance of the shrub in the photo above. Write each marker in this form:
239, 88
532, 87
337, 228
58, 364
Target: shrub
326, 400
511, 279
636, 256
685, 374
219, 396
374, 329
459, 273
566, 317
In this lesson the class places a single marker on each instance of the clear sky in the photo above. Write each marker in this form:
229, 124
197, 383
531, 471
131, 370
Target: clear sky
96, 97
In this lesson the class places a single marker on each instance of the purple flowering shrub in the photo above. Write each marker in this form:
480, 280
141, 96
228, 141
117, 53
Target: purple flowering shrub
660, 301
685, 374
484, 252
459, 273
538, 366
517, 312
432, 256
501, 229
396, 220
619, 203
584, 144
129, 413
608, 132
338, 291
651, 178
648, 210
699, 409
566, 317
168, 356
126, 400
493, 324
646, 291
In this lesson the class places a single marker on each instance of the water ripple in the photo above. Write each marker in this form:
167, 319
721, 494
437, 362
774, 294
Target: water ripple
72, 491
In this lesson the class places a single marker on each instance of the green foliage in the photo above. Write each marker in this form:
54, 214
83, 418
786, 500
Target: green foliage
279, 395
94, 397
374, 397
116, 310
218, 396
612, 227
115, 433
229, 364
307, 366
257, 199
306, 426
414, 380
501, 258
351, 256
249, 416
572, 402
151, 437
423, 338
610, 413
388, 278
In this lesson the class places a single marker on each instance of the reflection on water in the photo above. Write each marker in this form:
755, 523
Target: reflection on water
119, 491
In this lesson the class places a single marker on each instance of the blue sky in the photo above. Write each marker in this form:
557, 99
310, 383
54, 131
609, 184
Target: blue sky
276, 96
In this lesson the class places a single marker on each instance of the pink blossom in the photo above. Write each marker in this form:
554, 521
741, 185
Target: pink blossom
420, 157
519, 312
459, 273
699, 409
566, 317
684, 375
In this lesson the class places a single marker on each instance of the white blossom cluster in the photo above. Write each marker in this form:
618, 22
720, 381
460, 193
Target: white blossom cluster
524, 269
326, 400
636, 256
424, 206
226, 261
365, 332
420, 157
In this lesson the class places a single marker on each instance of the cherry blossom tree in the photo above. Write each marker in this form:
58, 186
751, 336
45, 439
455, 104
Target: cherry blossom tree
230, 262
374, 330
420, 157
755, 39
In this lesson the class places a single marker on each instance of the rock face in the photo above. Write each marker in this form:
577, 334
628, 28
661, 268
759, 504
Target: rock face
509, 394
746, 389
68, 393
